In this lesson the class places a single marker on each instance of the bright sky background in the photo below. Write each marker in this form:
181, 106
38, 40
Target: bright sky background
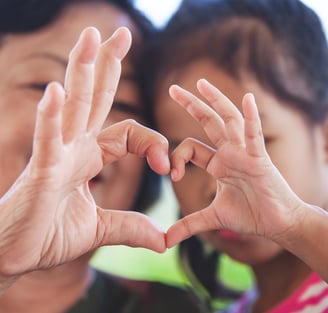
159, 10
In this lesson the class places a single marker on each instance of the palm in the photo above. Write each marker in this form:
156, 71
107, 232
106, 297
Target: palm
249, 187
75, 210
240, 179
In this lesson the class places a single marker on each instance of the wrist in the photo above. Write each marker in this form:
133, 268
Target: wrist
302, 228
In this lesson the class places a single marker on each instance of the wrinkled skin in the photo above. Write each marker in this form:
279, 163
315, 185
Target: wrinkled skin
51, 216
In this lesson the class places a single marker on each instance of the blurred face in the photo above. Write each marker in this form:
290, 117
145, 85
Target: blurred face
296, 148
28, 62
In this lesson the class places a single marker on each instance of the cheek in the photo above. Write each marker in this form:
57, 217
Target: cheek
16, 135
17, 119
132, 168
195, 191
120, 184
254, 251
250, 250
307, 180
183, 192
298, 162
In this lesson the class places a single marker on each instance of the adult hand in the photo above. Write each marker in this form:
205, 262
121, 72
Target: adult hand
252, 197
49, 216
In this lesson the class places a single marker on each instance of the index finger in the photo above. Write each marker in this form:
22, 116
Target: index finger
233, 119
128, 136
107, 75
211, 122
192, 150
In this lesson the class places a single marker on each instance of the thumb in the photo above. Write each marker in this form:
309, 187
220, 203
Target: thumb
132, 229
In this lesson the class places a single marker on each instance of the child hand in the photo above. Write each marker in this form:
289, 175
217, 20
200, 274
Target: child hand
252, 197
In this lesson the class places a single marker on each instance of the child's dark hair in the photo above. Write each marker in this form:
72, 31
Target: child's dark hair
279, 43
201, 266
23, 16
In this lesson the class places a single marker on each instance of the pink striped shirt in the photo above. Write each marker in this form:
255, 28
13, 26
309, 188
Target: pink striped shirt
310, 297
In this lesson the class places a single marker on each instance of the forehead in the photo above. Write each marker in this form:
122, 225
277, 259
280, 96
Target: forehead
42, 56
272, 110
60, 36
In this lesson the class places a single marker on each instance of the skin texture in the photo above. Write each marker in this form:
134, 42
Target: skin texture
50, 204
29, 61
232, 175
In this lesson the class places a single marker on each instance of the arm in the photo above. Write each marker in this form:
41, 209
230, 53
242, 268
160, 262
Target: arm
252, 197
49, 216
308, 238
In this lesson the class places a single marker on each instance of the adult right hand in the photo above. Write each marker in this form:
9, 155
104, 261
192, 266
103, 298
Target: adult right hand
49, 216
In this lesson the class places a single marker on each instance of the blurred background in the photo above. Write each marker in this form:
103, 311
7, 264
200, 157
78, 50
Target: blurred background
143, 264
160, 10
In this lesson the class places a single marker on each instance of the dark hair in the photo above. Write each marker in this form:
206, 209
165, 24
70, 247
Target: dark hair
201, 265
29, 15
280, 43
20, 16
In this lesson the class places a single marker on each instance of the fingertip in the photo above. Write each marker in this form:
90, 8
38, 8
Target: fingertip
53, 91
45, 98
123, 39
123, 31
158, 155
201, 82
174, 174
92, 32
249, 97
162, 248
58, 92
56, 87
87, 45
157, 239
166, 157
158, 159
178, 164
170, 241
167, 242
174, 91
249, 106
173, 87
166, 165
157, 243
206, 88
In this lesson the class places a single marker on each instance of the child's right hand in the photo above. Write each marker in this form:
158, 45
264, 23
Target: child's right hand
252, 197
